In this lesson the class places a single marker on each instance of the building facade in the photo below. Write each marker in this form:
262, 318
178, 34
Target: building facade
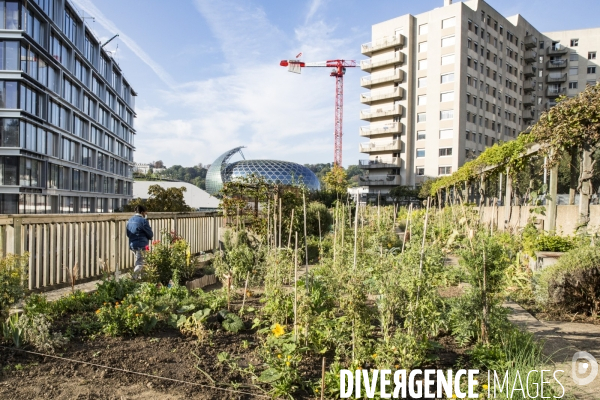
66, 114
448, 83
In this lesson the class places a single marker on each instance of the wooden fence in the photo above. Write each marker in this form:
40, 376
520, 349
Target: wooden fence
93, 242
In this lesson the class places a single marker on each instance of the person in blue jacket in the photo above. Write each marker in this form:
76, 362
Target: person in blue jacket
139, 233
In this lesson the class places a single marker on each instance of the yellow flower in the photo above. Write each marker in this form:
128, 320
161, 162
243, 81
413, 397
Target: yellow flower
278, 355
117, 306
278, 330
105, 303
454, 396
116, 303
485, 386
359, 368
374, 355
397, 366
287, 363
289, 357
97, 311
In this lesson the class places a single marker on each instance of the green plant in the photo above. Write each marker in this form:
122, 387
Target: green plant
126, 318
573, 283
232, 323
37, 333
13, 330
192, 325
12, 274
169, 259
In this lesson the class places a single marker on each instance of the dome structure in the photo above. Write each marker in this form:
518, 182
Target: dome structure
273, 171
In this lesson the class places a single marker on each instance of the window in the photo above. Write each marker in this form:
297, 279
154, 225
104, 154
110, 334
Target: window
422, 82
9, 15
573, 56
448, 23
448, 41
421, 135
8, 94
574, 42
422, 47
444, 170
446, 134
573, 71
30, 101
421, 100
422, 64
591, 55
446, 151
421, 117
420, 171
70, 26
449, 59
423, 29
59, 51
448, 96
572, 85
448, 78
591, 70
420, 153
446, 114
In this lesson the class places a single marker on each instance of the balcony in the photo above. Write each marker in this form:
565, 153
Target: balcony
556, 79
374, 147
530, 70
556, 50
369, 64
379, 164
531, 42
368, 115
530, 56
559, 63
367, 131
549, 104
379, 180
529, 85
367, 98
528, 100
368, 48
368, 81
555, 92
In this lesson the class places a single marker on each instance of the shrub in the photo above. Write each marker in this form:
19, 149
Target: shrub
125, 318
170, 258
314, 211
12, 270
573, 283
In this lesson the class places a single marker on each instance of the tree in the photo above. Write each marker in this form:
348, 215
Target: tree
158, 164
573, 125
403, 193
336, 180
162, 200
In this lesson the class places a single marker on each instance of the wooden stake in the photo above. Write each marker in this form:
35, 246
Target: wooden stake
305, 238
245, 290
296, 288
280, 219
323, 379
423, 246
407, 224
268, 221
291, 225
320, 240
355, 232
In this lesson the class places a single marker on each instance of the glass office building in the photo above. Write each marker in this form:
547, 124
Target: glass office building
276, 172
66, 114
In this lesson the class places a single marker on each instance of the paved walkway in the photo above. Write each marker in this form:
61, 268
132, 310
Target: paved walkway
561, 341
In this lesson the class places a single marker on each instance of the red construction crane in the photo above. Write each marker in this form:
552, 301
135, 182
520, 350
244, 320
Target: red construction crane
339, 69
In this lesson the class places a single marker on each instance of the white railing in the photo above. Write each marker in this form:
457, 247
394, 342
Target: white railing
367, 97
382, 43
383, 180
390, 128
381, 112
368, 81
58, 242
382, 60
379, 163
370, 146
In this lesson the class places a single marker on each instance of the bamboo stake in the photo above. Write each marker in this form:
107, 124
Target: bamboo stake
305, 239
280, 220
355, 231
335, 229
268, 220
291, 225
423, 246
320, 240
407, 225
323, 379
296, 289
246, 289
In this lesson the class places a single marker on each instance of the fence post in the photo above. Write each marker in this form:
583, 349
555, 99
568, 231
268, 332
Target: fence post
551, 203
507, 199
215, 233
17, 226
175, 223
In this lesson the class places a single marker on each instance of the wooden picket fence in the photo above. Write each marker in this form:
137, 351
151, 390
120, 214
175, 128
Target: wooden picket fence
86, 245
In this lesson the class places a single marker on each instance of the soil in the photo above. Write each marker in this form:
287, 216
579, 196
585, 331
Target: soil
165, 353
558, 316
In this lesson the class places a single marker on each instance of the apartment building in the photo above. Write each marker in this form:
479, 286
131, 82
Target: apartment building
447, 83
66, 114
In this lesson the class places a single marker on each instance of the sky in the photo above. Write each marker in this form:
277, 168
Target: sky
208, 78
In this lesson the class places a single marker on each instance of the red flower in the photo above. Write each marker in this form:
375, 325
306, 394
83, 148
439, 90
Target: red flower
147, 247
155, 242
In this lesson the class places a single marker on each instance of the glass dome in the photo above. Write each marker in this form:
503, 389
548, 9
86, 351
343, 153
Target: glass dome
274, 171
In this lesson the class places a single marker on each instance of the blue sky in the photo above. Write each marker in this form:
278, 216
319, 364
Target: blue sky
208, 77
